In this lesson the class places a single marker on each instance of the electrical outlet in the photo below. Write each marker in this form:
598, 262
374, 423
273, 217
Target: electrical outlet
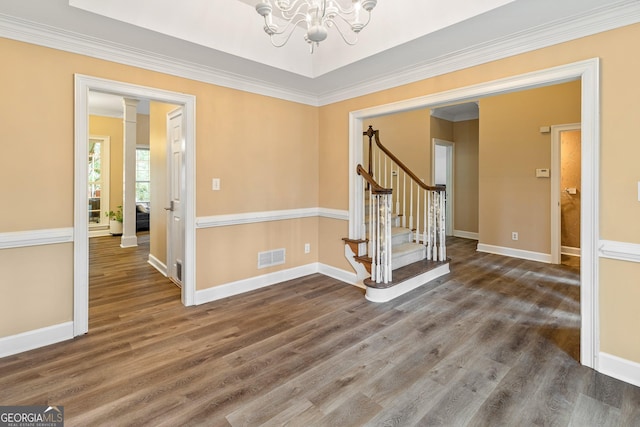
307, 248
514, 235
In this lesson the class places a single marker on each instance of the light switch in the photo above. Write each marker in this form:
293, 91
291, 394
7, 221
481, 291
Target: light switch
215, 184
542, 173
639, 191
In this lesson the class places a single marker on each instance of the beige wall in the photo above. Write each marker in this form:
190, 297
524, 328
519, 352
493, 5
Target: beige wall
142, 129
511, 198
239, 135
466, 140
36, 287
241, 247
570, 168
441, 129
406, 135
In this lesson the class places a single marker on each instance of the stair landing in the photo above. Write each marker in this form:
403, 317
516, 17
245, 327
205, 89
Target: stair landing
406, 279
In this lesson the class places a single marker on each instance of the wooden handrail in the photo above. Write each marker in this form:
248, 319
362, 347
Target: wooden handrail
375, 188
371, 133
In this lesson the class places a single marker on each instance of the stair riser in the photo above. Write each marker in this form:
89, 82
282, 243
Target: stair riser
407, 258
399, 239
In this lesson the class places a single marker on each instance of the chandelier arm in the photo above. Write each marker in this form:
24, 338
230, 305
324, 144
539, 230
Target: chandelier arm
288, 15
346, 21
288, 36
346, 10
290, 25
344, 37
296, 4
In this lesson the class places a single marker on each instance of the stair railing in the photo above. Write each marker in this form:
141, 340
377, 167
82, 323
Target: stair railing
421, 207
380, 207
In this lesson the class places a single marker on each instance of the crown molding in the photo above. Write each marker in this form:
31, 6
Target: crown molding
559, 31
603, 19
56, 38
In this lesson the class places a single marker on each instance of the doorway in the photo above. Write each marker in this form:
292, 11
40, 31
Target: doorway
442, 174
83, 85
566, 192
587, 72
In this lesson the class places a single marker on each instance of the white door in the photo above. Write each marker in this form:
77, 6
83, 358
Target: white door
442, 174
176, 186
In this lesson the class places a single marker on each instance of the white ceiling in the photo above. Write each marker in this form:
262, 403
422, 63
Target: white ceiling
222, 41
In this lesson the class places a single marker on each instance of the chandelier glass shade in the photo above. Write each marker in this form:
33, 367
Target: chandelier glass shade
348, 17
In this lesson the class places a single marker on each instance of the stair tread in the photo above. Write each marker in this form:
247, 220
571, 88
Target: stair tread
399, 230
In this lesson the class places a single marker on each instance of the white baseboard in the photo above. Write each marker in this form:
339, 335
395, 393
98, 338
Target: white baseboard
99, 233
342, 275
466, 234
251, 284
568, 250
619, 368
158, 265
515, 253
30, 340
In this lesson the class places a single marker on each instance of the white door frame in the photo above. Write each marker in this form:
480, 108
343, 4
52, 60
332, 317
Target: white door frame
84, 84
450, 203
588, 72
556, 209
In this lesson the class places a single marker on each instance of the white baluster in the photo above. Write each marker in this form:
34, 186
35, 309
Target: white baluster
363, 229
430, 223
388, 266
424, 220
404, 199
397, 193
385, 171
417, 235
372, 239
443, 228
434, 247
410, 205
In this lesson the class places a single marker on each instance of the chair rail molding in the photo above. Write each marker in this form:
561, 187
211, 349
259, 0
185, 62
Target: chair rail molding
20, 239
621, 251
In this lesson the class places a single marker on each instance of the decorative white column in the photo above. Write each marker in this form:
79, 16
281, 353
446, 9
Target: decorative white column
129, 237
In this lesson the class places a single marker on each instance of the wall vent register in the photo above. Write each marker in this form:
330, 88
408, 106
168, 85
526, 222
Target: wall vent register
271, 258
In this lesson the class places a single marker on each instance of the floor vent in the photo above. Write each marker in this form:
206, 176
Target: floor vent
270, 258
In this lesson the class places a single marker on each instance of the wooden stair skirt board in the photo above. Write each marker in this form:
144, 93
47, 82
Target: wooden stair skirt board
406, 279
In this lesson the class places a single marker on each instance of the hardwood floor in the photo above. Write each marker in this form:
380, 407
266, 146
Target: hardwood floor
493, 343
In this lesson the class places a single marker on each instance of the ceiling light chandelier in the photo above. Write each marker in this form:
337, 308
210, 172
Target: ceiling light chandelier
318, 15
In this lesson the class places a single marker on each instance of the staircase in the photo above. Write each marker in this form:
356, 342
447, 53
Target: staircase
393, 256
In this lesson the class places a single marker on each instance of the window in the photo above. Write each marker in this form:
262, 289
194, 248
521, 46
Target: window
98, 180
143, 175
